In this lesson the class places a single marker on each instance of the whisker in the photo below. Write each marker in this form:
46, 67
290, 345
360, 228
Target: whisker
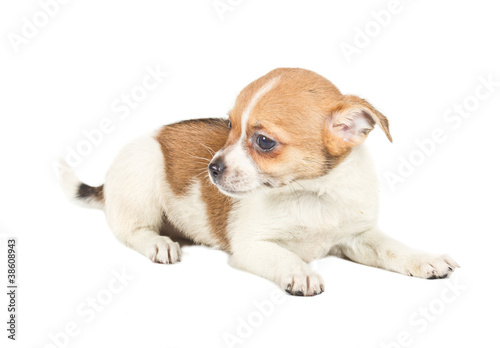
327, 161
204, 171
207, 177
296, 182
201, 158
212, 152
294, 189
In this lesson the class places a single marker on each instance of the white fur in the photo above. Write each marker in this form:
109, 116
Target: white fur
138, 195
306, 221
133, 193
273, 232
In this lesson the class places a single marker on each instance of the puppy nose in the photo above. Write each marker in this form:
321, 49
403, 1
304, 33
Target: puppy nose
216, 168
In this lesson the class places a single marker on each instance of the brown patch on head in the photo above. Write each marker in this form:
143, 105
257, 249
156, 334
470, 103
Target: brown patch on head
293, 114
187, 148
314, 125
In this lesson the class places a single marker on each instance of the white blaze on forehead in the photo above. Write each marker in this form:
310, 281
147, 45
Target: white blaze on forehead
248, 110
241, 172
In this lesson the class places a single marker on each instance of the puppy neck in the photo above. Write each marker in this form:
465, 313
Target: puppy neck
356, 164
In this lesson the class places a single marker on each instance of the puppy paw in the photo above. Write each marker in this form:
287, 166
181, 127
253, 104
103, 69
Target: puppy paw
306, 283
164, 250
431, 266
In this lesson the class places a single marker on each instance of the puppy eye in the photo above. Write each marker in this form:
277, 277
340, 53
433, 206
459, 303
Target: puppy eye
265, 143
229, 124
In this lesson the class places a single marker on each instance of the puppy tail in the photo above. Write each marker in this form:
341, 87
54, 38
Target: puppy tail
77, 192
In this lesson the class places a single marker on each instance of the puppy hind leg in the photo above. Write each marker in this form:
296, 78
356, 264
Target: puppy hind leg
160, 249
133, 191
373, 248
138, 227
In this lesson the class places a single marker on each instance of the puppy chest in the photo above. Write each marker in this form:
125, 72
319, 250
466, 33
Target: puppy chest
296, 219
306, 213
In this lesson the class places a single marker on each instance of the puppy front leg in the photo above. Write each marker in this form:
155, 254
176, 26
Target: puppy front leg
271, 261
373, 248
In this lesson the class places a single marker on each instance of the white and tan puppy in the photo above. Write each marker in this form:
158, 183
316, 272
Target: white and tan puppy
284, 181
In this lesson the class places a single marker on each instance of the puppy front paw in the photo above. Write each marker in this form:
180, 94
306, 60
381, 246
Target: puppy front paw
305, 283
431, 266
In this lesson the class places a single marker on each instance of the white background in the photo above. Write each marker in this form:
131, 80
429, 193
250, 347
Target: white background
65, 79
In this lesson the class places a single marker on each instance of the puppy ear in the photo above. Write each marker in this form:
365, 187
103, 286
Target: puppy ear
350, 121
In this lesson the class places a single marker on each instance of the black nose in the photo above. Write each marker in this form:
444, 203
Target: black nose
216, 168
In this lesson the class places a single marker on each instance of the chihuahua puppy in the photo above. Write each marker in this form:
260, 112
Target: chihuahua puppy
282, 182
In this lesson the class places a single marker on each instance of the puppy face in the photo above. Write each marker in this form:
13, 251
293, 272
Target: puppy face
288, 125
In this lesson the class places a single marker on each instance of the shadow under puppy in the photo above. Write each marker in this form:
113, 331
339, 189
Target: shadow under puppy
285, 180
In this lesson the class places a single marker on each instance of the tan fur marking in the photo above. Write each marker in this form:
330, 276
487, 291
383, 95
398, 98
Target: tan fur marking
218, 207
187, 150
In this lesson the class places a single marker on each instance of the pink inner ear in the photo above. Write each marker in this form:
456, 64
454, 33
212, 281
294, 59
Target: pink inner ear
353, 126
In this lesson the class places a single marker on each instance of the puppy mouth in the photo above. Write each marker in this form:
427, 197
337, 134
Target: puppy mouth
240, 193
235, 188
232, 193
227, 191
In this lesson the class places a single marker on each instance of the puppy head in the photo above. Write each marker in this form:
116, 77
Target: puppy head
288, 125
